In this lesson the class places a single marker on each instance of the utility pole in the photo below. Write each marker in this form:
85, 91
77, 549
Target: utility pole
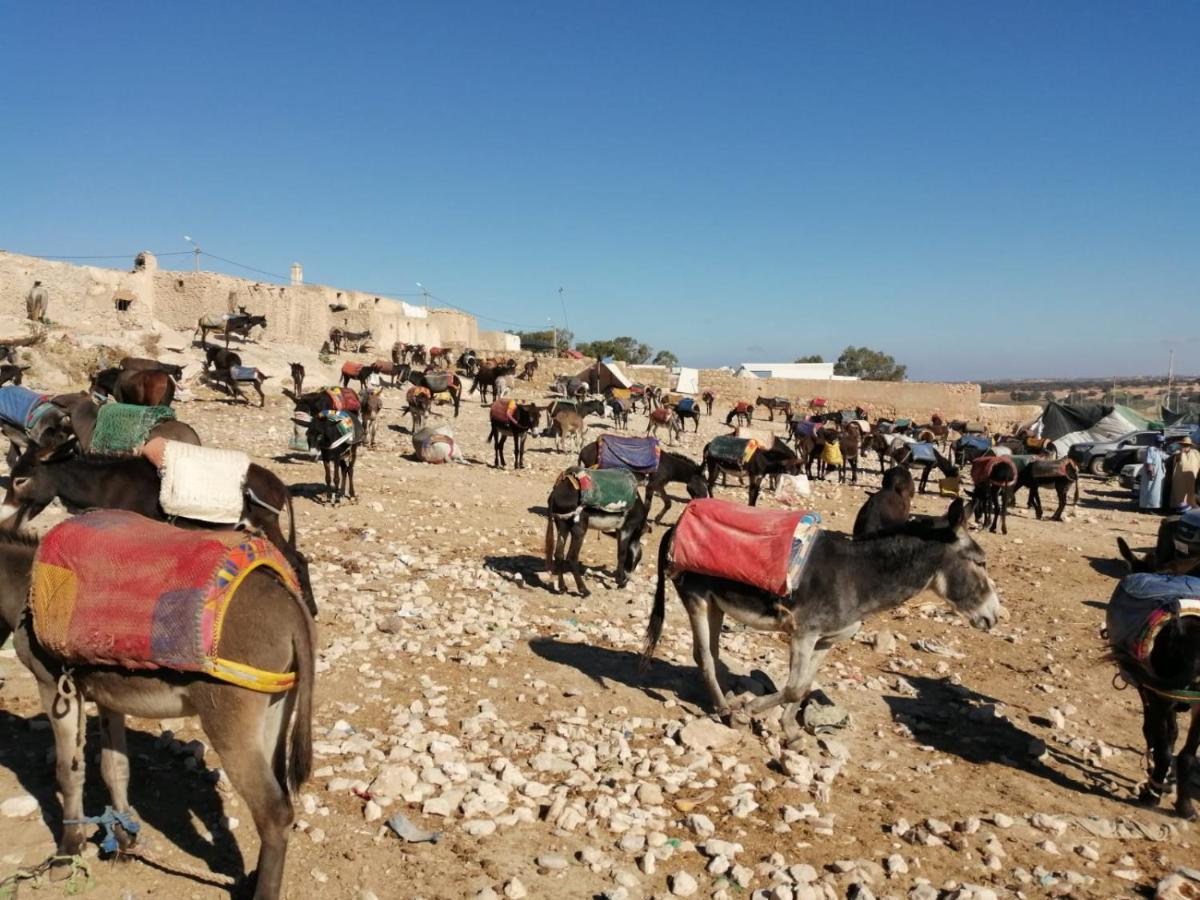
196, 251
424, 296
1170, 378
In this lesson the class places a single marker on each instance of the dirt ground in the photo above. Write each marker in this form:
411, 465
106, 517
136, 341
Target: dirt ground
455, 688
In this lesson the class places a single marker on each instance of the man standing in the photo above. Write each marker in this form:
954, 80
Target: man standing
1183, 481
1153, 478
36, 303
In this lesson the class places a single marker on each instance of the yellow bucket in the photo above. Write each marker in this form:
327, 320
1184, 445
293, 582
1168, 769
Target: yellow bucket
948, 487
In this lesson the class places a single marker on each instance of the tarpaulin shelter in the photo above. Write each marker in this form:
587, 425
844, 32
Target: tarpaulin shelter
688, 381
1066, 424
603, 374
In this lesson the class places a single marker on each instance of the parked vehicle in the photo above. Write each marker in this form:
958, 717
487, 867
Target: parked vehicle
1187, 533
1090, 456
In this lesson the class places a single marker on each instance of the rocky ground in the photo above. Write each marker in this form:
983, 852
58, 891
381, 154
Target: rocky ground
456, 692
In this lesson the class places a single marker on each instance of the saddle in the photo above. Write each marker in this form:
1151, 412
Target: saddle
732, 450
661, 416
113, 588
213, 321
343, 399
983, 470
974, 442
686, 405
352, 368
503, 412
415, 392
19, 405
764, 548
604, 490
1052, 468
638, 454
1140, 607
924, 453
743, 406
202, 483
124, 427
438, 381
244, 373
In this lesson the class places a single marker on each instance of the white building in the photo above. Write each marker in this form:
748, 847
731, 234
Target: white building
810, 371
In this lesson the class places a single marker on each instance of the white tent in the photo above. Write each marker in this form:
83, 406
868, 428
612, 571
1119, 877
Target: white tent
603, 374
688, 381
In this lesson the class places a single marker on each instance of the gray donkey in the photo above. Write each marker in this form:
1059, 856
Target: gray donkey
843, 582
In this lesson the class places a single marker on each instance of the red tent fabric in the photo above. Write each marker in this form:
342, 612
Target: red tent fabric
759, 547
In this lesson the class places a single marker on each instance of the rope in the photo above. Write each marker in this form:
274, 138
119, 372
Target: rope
192, 872
109, 820
79, 867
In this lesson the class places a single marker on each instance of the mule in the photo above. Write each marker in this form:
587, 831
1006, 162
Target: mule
743, 412
264, 740
338, 454
778, 459
142, 364
392, 370
229, 378
1060, 475
220, 358
620, 412
132, 483
664, 417
486, 378
569, 517
240, 324
524, 418
142, 388
843, 582
687, 410
674, 468
774, 405
297, 378
364, 372
709, 398
993, 477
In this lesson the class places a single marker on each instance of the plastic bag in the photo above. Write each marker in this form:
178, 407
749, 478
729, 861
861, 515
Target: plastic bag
793, 489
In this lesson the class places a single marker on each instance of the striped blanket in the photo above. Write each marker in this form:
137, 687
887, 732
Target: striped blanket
113, 588
124, 427
19, 404
1142, 604
343, 399
203, 483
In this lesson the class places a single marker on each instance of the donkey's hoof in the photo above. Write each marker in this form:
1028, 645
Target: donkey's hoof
1187, 811
1149, 796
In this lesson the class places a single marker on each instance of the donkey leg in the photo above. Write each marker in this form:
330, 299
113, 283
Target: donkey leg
801, 671
578, 532
755, 487
67, 722
1184, 763
702, 644
1061, 489
1157, 719
560, 544
114, 766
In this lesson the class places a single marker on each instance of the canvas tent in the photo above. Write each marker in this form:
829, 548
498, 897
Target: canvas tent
1066, 424
688, 381
603, 374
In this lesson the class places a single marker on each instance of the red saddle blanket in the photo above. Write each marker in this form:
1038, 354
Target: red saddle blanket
503, 412
352, 368
113, 588
984, 469
763, 548
1052, 468
343, 399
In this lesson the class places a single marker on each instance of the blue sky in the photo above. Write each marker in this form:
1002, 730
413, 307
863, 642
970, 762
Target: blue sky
981, 190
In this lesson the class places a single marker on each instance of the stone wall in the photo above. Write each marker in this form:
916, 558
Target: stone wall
86, 297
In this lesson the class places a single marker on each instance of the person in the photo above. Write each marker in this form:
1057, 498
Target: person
1153, 478
36, 303
1183, 481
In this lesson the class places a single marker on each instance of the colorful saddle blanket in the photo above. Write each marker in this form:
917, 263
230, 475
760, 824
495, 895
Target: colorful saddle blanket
1053, 468
349, 427
438, 381
124, 427
994, 470
686, 405
924, 453
352, 368
1142, 604
743, 406
244, 373
203, 483
622, 394
763, 548
734, 450
606, 490
113, 588
414, 393
806, 429
18, 405
638, 454
343, 399
503, 412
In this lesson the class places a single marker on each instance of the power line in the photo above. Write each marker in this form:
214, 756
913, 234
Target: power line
243, 266
109, 256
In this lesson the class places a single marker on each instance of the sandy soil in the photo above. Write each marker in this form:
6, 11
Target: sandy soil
455, 688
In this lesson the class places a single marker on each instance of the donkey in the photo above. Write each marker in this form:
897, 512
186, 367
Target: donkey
524, 418
569, 517
487, 377
843, 581
567, 424
142, 364
419, 400
620, 412
529, 370
709, 397
743, 412
1165, 557
1167, 678
338, 454
10, 373
229, 378
774, 405
364, 372
220, 358
1058, 474
673, 468
240, 324
434, 381
142, 388
686, 409
778, 459
890, 507
132, 483
665, 417
904, 455
264, 628
297, 378
371, 405
468, 363
83, 412
993, 477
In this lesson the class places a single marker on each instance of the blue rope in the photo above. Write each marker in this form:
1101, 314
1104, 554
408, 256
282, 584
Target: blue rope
109, 821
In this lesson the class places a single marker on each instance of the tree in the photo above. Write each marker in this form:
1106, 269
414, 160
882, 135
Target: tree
625, 349
869, 365
544, 340
814, 358
666, 358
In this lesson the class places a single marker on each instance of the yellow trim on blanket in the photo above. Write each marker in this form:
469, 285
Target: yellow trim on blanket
250, 677
286, 577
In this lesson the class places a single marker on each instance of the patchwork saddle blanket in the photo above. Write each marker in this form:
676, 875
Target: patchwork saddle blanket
438, 381
343, 399
352, 368
984, 470
604, 490
924, 453
1053, 468
764, 548
1142, 604
19, 405
349, 426
637, 454
113, 588
244, 373
438, 449
733, 450
1021, 461
203, 483
124, 427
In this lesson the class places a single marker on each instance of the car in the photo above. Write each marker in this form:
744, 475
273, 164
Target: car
1129, 476
1089, 455
1187, 533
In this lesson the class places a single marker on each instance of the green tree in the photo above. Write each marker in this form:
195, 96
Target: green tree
625, 349
544, 340
869, 365
666, 358
814, 358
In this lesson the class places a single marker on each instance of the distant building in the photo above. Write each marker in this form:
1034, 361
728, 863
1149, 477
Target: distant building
810, 371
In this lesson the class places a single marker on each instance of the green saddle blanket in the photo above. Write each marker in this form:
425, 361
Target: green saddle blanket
731, 449
124, 427
608, 490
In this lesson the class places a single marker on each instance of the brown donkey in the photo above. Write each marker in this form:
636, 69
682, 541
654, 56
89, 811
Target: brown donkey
265, 628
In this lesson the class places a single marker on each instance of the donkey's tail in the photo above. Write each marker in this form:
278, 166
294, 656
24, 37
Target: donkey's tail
550, 544
1076, 501
658, 613
291, 540
300, 751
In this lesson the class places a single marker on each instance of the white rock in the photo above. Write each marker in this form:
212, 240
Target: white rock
896, 865
552, 861
683, 885
701, 824
649, 794
705, 734
20, 806
717, 847
514, 890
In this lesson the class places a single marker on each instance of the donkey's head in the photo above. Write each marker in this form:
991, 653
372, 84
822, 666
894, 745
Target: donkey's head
962, 579
31, 489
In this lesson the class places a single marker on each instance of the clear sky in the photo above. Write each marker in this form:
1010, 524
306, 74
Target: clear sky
980, 189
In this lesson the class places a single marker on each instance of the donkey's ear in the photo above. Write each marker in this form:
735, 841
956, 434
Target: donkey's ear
956, 514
